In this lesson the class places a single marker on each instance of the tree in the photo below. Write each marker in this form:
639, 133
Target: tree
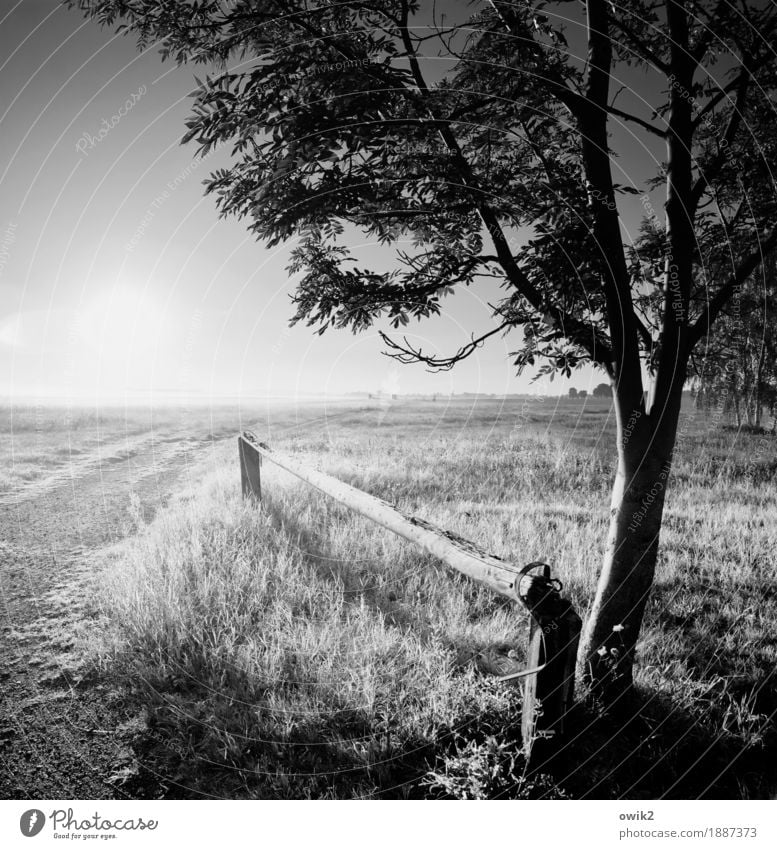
602, 390
737, 370
490, 144
573, 392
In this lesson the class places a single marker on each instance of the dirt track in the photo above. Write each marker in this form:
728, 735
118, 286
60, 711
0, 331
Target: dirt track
63, 733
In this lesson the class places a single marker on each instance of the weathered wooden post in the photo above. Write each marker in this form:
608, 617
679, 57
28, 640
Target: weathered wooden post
250, 469
555, 627
553, 638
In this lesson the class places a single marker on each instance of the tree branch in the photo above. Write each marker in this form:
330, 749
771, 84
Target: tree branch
703, 324
705, 40
642, 123
592, 122
646, 335
407, 354
716, 98
706, 175
490, 219
648, 54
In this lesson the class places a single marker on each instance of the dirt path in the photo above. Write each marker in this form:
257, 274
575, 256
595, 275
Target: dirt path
62, 731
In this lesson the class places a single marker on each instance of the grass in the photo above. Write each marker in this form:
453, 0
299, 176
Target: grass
298, 651
269, 659
37, 442
44, 442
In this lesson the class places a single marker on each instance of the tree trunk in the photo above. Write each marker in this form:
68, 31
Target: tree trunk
759, 381
607, 650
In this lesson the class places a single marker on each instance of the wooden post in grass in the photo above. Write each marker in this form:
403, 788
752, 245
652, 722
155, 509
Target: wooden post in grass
250, 469
455, 551
555, 627
554, 634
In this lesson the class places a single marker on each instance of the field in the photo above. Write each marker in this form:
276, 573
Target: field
295, 650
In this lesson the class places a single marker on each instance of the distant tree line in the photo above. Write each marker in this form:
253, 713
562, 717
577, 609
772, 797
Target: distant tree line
603, 390
736, 372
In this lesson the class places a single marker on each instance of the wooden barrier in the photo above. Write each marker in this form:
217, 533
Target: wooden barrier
555, 627
459, 553
554, 634
250, 469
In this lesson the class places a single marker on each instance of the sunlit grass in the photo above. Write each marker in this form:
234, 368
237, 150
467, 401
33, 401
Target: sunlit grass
296, 650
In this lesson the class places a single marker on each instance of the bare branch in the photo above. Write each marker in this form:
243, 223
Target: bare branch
642, 123
408, 354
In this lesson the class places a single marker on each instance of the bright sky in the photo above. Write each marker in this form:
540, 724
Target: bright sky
119, 280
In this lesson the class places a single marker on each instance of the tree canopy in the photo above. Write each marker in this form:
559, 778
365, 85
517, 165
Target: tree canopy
487, 138
506, 140
736, 372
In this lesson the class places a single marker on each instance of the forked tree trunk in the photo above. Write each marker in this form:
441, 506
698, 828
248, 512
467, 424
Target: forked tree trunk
645, 445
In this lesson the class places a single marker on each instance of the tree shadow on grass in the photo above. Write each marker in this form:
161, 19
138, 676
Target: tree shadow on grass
360, 578
206, 735
651, 749
196, 742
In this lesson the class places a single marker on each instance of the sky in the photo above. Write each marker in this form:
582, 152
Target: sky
119, 281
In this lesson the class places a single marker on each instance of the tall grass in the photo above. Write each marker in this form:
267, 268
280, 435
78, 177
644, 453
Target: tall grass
298, 651
284, 643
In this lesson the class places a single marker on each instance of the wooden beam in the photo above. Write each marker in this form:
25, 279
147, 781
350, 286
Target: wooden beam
455, 551
250, 469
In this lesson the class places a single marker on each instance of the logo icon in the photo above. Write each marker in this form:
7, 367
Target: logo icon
32, 822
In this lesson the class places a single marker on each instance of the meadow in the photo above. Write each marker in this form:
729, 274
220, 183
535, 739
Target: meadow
295, 650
